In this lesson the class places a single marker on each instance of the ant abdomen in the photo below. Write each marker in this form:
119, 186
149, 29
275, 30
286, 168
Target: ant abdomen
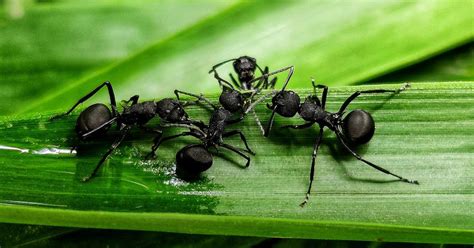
191, 160
92, 118
358, 127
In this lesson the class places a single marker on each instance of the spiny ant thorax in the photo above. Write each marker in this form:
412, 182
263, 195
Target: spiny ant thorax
311, 110
139, 113
217, 123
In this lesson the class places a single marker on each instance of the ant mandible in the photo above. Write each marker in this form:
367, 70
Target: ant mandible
356, 128
95, 120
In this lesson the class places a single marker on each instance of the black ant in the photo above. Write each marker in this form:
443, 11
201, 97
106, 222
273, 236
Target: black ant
96, 119
235, 97
245, 67
194, 159
356, 128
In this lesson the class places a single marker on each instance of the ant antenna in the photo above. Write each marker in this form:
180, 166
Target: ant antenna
219, 64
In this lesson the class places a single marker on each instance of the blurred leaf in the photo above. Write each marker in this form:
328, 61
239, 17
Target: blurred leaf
336, 42
120, 238
14, 234
55, 43
424, 133
455, 65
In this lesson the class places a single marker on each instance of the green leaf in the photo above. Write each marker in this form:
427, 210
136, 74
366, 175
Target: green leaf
424, 133
455, 65
35, 63
338, 43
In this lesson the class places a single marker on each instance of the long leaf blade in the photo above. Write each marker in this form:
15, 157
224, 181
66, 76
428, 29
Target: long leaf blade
424, 133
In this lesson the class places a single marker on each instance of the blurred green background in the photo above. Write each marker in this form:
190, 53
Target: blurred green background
51, 52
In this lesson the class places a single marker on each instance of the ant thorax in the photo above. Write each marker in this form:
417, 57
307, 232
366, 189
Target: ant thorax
217, 122
139, 113
312, 111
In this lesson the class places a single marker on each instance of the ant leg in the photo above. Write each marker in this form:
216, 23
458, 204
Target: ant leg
237, 84
199, 97
290, 73
158, 140
83, 99
229, 147
116, 143
325, 92
199, 124
200, 134
270, 122
190, 126
317, 143
151, 130
254, 104
242, 137
302, 126
84, 136
339, 137
273, 82
216, 75
236, 120
358, 93
257, 120
263, 80
260, 69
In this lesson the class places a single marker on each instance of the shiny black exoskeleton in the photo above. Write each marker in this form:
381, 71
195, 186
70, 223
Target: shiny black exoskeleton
194, 159
96, 119
245, 67
239, 95
355, 128
191, 160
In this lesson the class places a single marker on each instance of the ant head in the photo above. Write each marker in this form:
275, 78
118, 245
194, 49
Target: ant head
310, 109
171, 110
191, 160
287, 103
245, 67
231, 100
93, 117
358, 127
